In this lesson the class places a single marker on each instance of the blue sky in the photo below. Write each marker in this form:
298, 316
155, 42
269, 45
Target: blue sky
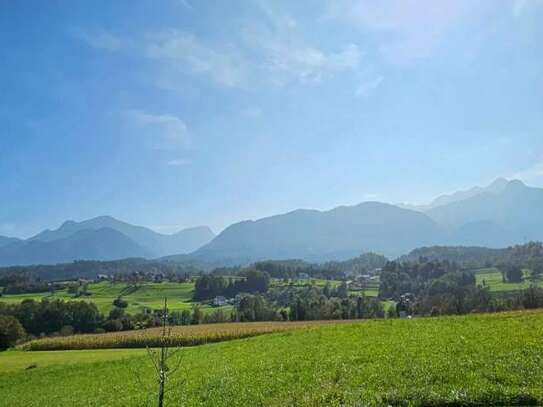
178, 113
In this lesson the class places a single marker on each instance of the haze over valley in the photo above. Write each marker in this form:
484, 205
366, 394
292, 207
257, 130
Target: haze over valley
498, 215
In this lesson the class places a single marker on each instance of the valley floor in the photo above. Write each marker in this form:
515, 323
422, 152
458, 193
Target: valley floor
475, 359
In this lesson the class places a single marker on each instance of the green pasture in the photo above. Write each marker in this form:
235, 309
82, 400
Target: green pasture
492, 278
18, 361
492, 359
144, 295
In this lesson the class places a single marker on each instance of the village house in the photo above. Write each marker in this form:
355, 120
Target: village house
219, 301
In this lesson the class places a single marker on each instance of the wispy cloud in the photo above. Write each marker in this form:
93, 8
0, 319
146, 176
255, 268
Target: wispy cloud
409, 28
167, 132
186, 53
307, 64
270, 59
100, 39
270, 49
364, 89
287, 56
178, 162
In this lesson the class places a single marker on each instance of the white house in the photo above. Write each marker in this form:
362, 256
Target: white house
219, 301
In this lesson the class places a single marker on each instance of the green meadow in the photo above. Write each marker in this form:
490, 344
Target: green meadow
491, 359
145, 295
492, 278
18, 361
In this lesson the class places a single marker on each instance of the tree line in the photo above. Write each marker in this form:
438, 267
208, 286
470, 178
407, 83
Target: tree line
528, 255
293, 268
90, 269
209, 286
433, 287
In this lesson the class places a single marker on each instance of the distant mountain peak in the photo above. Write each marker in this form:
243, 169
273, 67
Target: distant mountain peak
152, 244
104, 218
515, 184
455, 197
498, 185
495, 187
67, 224
505, 213
338, 233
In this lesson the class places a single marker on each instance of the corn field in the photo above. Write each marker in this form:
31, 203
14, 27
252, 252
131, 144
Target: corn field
190, 335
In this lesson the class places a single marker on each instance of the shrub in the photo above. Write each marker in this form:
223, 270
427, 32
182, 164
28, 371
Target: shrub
66, 330
113, 325
116, 313
11, 331
120, 303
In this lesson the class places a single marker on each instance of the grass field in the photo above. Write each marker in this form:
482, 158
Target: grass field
371, 289
493, 359
16, 361
492, 278
146, 295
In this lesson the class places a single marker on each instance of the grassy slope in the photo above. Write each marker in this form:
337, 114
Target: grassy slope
17, 361
493, 279
150, 295
485, 359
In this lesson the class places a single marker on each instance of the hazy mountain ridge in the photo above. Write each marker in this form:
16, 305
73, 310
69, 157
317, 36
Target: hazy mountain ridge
339, 233
497, 186
67, 242
513, 215
501, 214
185, 241
100, 244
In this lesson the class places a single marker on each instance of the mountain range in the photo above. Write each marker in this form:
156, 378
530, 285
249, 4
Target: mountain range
500, 214
340, 233
101, 238
495, 187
